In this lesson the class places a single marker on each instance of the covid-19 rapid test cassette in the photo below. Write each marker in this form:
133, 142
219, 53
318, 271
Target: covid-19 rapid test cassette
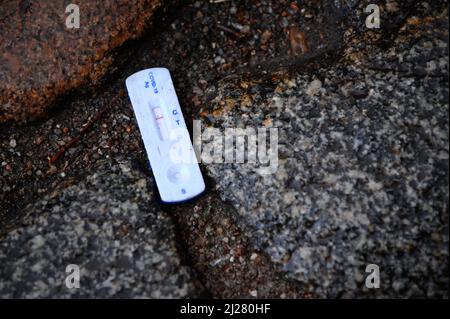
165, 135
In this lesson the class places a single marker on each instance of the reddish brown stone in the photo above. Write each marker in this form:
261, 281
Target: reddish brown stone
41, 59
299, 43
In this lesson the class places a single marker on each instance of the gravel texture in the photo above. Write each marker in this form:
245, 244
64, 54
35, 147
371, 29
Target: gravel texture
106, 224
363, 144
223, 255
200, 43
42, 59
363, 170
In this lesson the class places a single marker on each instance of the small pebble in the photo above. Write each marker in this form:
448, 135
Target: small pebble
12, 143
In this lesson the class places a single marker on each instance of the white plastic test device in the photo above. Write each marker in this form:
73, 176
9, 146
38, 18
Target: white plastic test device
165, 135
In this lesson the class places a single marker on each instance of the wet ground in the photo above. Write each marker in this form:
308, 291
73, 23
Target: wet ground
207, 42
204, 44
